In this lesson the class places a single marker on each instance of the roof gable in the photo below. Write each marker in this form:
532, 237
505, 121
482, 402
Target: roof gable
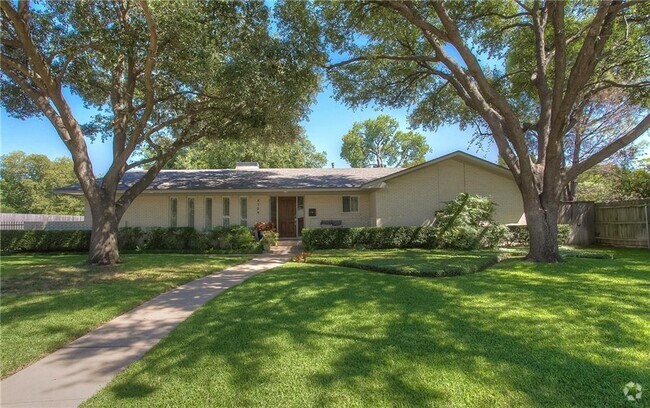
457, 155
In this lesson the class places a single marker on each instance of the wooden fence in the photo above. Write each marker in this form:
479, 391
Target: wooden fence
623, 223
581, 216
620, 224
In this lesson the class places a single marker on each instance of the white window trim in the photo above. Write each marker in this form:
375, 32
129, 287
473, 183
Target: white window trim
223, 216
240, 212
170, 212
205, 213
188, 211
350, 212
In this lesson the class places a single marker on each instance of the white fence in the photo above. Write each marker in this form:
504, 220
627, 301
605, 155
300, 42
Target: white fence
10, 221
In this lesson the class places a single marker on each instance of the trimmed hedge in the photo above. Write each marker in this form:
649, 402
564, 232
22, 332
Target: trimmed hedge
518, 235
369, 237
44, 241
402, 237
187, 239
230, 239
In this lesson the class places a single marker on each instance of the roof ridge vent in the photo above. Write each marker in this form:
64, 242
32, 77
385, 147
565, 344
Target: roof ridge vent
247, 166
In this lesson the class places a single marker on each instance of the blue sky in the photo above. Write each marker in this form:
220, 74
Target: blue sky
327, 123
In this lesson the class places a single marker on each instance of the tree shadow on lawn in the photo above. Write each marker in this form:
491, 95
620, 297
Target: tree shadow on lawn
35, 325
319, 335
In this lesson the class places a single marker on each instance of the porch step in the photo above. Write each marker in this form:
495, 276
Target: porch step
287, 246
289, 242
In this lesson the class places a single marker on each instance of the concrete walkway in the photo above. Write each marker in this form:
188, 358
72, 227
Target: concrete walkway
77, 371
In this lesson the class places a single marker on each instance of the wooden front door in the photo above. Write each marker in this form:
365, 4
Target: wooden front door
287, 217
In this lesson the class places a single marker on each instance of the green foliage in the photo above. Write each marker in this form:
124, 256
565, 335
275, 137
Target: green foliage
610, 182
223, 154
379, 143
28, 181
518, 235
236, 238
369, 237
269, 238
467, 223
131, 238
44, 241
216, 63
184, 239
168, 239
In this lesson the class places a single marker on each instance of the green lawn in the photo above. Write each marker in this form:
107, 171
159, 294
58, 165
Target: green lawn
48, 300
516, 334
414, 262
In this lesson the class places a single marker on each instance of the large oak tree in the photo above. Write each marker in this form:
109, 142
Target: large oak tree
519, 71
162, 75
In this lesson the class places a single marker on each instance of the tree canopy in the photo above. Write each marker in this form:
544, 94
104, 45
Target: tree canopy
519, 72
28, 181
612, 182
162, 74
379, 143
223, 154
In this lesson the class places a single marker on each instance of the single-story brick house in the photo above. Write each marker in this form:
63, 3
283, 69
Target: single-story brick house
311, 198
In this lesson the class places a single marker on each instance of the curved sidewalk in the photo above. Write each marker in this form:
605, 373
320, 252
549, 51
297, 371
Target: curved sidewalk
78, 370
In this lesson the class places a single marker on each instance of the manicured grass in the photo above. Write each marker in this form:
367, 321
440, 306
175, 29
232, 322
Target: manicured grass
49, 300
414, 262
517, 334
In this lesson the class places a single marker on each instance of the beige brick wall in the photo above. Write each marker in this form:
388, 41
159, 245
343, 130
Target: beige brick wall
329, 206
413, 199
153, 210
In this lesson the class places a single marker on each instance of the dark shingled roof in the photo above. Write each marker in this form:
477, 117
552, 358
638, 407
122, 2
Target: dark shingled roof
263, 179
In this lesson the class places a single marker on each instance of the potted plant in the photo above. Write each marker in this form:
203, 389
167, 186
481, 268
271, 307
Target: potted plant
260, 227
269, 238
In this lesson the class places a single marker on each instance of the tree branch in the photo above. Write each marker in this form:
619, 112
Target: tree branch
148, 71
609, 150
118, 166
382, 57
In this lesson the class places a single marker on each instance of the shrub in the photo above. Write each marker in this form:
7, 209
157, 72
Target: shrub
237, 238
161, 239
130, 238
368, 237
518, 235
234, 237
44, 241
269, 238
467, 222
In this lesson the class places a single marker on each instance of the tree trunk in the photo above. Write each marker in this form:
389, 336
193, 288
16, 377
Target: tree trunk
542, 219
103, 238
570, 191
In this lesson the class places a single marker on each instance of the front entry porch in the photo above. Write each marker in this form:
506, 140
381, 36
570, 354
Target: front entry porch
289, 215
